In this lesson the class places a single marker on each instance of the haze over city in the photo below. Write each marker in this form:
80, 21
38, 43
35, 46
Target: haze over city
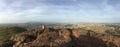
96, 11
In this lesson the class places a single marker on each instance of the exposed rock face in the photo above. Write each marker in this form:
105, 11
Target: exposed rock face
50, 37
78, 32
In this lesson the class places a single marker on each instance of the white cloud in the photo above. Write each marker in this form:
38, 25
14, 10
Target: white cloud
28, 10
107, 7
17, 3
8, 13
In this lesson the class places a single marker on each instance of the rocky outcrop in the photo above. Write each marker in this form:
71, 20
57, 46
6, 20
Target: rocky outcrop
50, 37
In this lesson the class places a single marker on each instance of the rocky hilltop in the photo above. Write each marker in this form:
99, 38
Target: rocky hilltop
50, 37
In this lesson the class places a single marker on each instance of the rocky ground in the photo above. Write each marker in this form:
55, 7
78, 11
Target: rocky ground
50, 37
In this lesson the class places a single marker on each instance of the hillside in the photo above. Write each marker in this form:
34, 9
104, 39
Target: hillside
63, 37
7, 32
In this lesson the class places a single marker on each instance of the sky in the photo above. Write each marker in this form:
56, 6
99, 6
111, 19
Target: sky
95, 11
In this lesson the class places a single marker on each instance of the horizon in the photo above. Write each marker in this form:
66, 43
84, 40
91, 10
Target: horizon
60, 11
61, 23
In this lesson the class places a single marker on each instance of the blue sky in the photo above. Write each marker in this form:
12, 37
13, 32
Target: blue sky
96, 11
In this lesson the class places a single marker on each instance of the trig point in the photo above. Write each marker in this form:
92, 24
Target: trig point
43, 27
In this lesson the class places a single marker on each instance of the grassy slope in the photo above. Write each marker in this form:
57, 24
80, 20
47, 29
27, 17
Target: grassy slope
7, 32
99, 29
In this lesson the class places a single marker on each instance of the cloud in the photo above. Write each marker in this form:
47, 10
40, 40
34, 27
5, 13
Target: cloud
54, 10
106, 6
14, 12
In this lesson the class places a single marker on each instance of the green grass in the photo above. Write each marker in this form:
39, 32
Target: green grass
104, 30
7, 32
97, 29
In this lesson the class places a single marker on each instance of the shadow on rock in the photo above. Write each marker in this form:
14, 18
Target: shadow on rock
88, 41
